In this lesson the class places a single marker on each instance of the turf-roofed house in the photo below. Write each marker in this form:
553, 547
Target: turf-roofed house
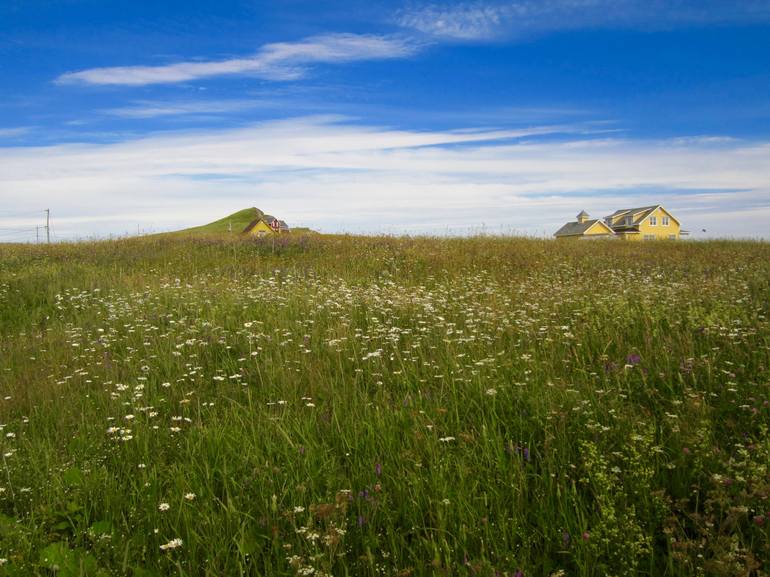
266, 224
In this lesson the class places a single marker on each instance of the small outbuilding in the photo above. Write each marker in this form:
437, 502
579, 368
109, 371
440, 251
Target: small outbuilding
585, 227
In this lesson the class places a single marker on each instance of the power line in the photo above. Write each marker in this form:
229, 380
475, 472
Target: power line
8, 213
22, 234
25, 229
17, 232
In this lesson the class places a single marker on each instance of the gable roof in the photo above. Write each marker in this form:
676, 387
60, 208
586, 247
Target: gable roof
580, 228
268, 220
641, 213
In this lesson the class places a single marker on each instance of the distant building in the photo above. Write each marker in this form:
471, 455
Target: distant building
265, 225
585, 227
643, 223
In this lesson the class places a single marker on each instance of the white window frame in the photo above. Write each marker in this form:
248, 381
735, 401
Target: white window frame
664, 221
672, 237
649, 237
653, 220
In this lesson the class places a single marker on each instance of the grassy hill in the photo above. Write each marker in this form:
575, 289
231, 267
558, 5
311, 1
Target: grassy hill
234, 223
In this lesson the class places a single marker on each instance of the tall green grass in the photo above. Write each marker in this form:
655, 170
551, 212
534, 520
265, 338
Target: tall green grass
384, 406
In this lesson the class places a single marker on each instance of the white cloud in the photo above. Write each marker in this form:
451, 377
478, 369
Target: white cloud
277, 61
516, 18
155, 109
497, 19
334, 175
466, 22
13, 132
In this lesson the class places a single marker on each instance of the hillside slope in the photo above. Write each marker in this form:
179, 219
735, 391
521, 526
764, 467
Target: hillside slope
234, 223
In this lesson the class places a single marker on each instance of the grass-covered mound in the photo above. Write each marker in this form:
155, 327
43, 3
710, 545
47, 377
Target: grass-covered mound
233, 224
379, 406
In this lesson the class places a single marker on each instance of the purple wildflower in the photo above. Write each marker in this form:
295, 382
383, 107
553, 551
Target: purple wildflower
633, 359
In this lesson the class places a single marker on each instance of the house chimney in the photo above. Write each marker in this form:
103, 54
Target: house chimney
582, 216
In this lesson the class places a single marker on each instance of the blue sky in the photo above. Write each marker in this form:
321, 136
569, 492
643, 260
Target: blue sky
395, 117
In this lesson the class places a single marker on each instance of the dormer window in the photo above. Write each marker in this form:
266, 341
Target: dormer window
628, 221
653, 221
664, 221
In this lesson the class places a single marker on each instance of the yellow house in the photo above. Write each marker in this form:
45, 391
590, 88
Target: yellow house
645, 223
265, 225
585, 228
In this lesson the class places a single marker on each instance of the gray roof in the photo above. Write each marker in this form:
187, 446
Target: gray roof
633, 210
644, 210
576, 228
268, 218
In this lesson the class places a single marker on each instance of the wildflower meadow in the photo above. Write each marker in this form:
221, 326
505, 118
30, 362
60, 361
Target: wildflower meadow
377, 406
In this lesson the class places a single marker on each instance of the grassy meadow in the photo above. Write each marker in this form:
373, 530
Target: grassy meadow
361, 406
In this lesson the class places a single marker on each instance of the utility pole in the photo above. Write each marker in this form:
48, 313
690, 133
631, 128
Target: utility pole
48, 225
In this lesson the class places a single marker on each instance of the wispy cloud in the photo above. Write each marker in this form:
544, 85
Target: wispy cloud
276, 61
486, 20
334, 175
155, 109
13, 132
465, 21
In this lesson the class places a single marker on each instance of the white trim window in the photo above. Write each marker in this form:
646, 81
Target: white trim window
664, 221
649, 237
653, 221
672, 237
